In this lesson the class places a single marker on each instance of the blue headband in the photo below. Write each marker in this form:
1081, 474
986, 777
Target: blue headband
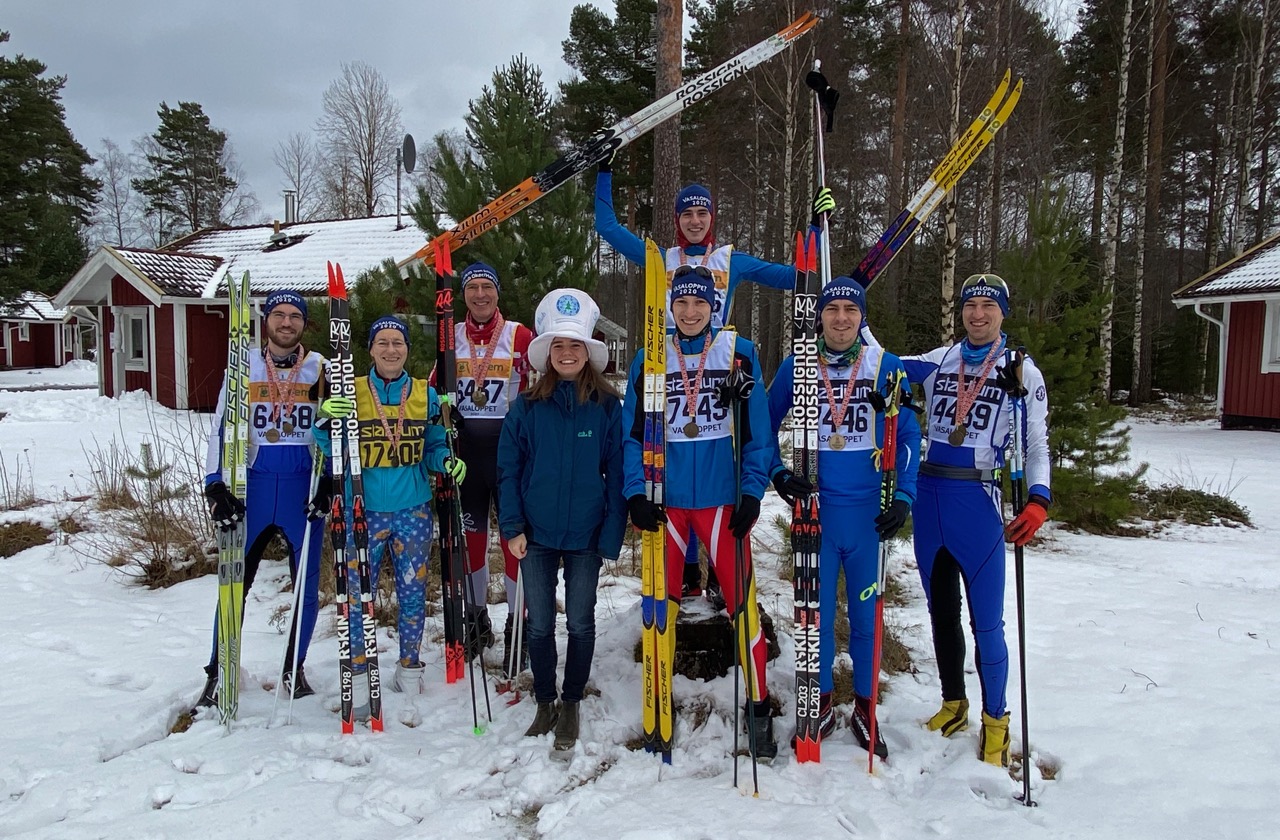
280, 296
388, 322
694, 281
986, 285
480, 271
844, 288
694, 195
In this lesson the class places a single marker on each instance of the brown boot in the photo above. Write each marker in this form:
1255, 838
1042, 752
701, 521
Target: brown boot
544, 721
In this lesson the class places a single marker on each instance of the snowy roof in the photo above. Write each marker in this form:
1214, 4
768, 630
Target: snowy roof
1255, 273
32, 306
611, 329
175, 273
298, 262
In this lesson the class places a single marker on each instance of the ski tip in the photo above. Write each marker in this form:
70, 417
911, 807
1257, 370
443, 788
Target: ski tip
337, 288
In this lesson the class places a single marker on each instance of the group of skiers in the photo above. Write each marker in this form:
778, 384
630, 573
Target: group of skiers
561, 459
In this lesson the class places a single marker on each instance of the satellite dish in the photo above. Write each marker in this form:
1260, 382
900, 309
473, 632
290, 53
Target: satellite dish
409, 153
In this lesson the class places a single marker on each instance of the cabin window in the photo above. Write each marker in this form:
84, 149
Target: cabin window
135, 344
1271, 338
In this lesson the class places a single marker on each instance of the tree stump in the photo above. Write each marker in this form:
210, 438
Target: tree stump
704, 640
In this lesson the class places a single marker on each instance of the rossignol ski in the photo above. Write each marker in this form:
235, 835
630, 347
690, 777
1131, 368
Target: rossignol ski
604, 143
460, 601
806, 530
888, 487
941, 181
453, 546
659, 636
231, 544
345, 435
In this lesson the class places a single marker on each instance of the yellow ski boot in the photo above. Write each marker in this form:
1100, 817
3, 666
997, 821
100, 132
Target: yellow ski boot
953, 717
993, 746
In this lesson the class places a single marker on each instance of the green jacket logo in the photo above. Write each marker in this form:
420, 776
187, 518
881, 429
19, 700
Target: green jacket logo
585, 433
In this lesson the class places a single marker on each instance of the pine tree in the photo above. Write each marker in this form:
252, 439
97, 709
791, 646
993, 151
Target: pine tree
616, 61
510, 135
46, 194
188, 184
1055, 312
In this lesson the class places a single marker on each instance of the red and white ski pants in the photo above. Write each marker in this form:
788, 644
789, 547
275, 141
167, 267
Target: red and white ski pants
711, 526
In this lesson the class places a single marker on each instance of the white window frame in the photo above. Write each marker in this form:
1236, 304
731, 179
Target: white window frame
1271, 338
24, 331
4, 335
127, 315
68, 342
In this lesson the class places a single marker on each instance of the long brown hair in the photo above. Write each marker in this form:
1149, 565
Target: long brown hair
591, 384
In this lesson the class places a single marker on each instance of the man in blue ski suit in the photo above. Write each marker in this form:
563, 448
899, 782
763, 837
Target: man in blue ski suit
706, 492
696, 246
283, 389
850, 431
959, 523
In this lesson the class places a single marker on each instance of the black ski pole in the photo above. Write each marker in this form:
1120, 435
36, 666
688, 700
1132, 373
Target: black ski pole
740, 611
1018, 485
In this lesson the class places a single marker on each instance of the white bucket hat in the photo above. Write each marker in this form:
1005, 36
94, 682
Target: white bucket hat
566, 313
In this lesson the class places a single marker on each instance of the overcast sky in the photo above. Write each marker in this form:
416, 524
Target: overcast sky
260, 68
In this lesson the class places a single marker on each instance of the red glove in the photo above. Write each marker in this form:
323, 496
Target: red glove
1021, 530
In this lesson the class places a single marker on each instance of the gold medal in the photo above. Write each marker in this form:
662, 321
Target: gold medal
480, 397
288, 428
272, 435
836, 441
691, 429
958, 435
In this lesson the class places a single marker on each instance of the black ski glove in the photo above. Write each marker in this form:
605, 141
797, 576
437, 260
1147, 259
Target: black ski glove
889, 523
224, 508
606, 165
646, 515
322, 502
827, 95
736, 387
1009, 376
789, 485
744, 516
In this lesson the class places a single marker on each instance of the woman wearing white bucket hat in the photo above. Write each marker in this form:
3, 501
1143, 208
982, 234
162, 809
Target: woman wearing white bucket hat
560, 498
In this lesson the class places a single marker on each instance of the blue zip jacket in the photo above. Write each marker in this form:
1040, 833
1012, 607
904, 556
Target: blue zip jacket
560, 472
851, 476
391, 489
741, 266
701, 474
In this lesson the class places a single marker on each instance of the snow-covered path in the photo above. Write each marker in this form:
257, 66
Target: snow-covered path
1153, 664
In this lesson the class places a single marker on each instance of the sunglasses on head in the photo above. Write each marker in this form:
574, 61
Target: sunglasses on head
989, 280
700, 270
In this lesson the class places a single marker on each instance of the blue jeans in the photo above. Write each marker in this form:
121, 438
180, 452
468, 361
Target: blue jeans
581, 576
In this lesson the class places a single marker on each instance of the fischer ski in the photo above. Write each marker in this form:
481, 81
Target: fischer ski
231, 544
658, 638
806, 529
607, 141
888, 487
941, 181
345, 435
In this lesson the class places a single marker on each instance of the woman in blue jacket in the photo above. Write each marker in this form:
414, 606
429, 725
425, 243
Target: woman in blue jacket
560, 498
401, 442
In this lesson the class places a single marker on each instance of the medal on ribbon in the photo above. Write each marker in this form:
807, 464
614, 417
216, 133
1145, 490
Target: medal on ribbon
691, 385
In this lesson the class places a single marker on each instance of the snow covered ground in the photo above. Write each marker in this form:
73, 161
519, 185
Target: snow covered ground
1153, 665
80, 373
